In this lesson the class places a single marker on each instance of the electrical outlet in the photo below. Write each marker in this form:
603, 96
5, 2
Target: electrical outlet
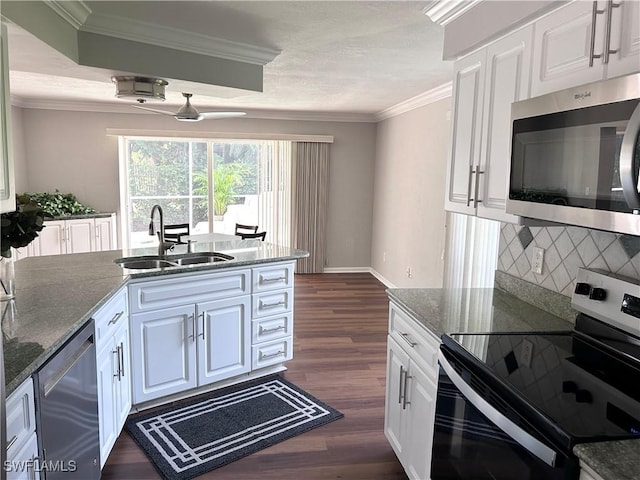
409, 273
537, 260
526, 354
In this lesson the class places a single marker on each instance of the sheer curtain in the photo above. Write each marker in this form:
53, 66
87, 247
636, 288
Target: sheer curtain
310, 202
274, 192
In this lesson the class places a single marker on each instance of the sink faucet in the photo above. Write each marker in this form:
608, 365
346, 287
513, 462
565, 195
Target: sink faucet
162, 245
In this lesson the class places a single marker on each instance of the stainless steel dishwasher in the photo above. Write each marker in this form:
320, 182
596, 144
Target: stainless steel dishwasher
67, 410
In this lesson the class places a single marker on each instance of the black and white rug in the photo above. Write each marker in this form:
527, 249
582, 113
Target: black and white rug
195, 436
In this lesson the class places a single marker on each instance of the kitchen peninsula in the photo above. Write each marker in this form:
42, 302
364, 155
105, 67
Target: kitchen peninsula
56, 295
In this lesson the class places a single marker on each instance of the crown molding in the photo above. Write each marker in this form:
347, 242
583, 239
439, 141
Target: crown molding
137, 31
127, 109
74, 12
426, 98
443, 12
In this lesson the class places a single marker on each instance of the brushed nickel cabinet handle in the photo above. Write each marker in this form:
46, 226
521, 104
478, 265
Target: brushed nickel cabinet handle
281, 303
594, 17
192, 318
12, 441
272, 280
271, 355
475, 199
471, 172
607, 39
405, 337
270, 330
121, 359
401, 383
201, 334
116, 317
406, 402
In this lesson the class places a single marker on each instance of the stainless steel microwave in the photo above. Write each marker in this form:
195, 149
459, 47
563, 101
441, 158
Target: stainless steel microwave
575, 156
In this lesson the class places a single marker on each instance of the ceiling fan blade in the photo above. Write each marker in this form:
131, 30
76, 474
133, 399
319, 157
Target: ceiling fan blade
212, 115
154, 110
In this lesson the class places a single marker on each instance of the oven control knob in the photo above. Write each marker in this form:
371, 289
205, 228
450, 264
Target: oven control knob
584, 396
582, 288
569, 387
598, 294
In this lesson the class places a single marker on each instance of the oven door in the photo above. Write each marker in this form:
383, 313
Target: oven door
480, 436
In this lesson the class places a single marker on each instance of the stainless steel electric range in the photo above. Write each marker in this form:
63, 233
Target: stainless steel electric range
512, 406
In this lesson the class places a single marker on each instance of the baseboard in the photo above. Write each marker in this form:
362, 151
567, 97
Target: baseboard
370, 270
346, 270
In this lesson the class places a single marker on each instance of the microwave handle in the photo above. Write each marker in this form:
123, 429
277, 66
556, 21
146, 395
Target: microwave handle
530, 443
629, 176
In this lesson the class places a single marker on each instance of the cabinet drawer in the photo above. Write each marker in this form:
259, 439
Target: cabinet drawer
181, 290
272, 303
271, 353
20, 417
272, 328
111, 316
421, 345
272, 278
23, 466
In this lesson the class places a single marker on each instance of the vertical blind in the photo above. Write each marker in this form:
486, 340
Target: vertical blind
274, 205
310, 203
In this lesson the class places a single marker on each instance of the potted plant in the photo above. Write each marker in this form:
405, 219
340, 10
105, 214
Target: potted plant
17, 229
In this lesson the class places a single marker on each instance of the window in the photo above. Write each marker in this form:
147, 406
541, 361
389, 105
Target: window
210, 184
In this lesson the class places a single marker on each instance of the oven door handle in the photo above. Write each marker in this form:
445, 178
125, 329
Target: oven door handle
629, 176
532, 444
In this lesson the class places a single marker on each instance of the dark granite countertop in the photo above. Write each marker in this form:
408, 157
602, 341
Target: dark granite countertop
56, 295
615, 460
84, 215
474, 310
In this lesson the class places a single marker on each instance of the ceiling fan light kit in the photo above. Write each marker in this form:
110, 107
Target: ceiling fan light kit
140, 88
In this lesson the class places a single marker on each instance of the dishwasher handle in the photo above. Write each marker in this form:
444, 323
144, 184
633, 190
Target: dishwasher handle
527, 441
59, 374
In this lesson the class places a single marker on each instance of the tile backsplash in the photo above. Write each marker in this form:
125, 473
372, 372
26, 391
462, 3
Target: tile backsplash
565, 250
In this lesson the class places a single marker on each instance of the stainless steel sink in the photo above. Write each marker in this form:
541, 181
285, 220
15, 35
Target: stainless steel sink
203, 258
147, 262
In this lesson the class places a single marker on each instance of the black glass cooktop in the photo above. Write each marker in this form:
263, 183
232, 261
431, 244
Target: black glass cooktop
577, 382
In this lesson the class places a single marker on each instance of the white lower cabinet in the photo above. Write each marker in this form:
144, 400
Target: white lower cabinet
114, 370
192, 330
189, 346
22, 440
411, 393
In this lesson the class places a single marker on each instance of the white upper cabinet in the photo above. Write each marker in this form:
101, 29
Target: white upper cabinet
7, 188
507, 80
468, 90
585, 42
486, 82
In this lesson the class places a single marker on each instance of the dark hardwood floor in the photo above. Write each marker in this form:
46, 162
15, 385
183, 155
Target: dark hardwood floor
339, 357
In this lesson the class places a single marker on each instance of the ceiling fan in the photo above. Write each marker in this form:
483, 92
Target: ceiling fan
188, 113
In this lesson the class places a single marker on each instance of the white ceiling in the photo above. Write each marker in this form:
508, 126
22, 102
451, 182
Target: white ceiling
344, 57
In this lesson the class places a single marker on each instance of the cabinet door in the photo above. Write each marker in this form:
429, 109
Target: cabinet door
507, 80
419, 422
224, 339
105, 233
625, 38
51, 239
563, 45
468, 90
80, 235
106, 361
163, 352
123, 384
397, 366
22, 464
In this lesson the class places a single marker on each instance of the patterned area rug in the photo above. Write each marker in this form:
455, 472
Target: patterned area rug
196, 436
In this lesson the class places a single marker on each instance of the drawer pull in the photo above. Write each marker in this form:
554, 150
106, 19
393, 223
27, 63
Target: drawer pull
271, 330
271, 355
281, 303
406, 338
12, 441
273, 279
116, 317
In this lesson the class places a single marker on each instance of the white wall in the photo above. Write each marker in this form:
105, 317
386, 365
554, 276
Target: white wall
408, 212
21, 174
71, 152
